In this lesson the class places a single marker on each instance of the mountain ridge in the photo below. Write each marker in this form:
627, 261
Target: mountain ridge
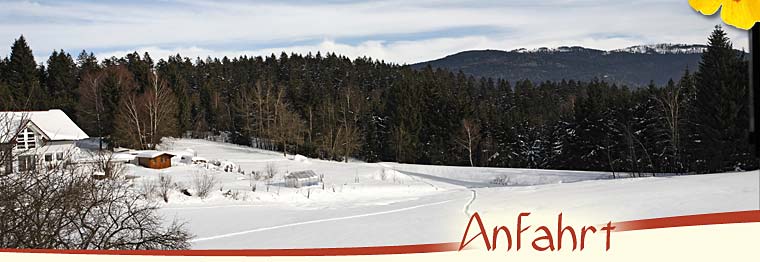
633, 66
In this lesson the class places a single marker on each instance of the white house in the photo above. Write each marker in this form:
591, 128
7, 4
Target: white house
31, 138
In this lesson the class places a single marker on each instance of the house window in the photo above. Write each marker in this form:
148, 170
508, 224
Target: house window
48, 157
59, 156
26, 163
26, 139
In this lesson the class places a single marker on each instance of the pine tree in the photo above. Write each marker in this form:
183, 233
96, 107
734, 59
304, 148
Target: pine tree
6, 97
61, 83
176, 71
23, 78
86, 63
721, 104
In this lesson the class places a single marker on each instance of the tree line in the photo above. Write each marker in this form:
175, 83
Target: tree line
331, 107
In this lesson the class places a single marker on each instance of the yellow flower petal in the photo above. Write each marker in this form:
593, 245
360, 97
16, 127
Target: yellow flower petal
706, 7
753, 7
740, 13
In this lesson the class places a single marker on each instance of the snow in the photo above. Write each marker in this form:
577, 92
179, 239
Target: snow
54, 123
639, 49
122, 157
370, 204
150, 153
631, 198
391, 175
663, 49
482, 176
301, 158
561, 49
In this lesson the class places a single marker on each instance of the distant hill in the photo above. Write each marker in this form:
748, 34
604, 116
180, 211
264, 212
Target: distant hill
633, 66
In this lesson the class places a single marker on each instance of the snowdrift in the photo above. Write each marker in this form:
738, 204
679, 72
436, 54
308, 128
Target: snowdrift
501, 176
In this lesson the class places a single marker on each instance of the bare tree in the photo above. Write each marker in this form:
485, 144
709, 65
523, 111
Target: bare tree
671, 103
469, 137
104, 164
245, 106
261, 98
143, 119
328, 141
160, 108
91, 108
351, 109
129, 122
266, 115
287, 127
65, 207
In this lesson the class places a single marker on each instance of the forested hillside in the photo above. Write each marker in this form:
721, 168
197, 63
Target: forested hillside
332, 107
634, 66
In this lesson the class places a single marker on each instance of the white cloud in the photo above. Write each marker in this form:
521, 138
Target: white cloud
397, 31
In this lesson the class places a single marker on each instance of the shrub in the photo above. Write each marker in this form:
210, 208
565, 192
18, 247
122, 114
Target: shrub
165, 186
203, 183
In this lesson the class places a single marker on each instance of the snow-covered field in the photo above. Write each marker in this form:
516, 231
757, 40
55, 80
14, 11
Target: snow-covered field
368, 204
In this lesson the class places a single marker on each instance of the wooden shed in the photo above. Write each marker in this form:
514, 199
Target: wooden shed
154, 159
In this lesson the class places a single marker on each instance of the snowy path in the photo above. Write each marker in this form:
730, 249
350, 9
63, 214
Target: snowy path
423, 220
365, 204
316, 221
469, 185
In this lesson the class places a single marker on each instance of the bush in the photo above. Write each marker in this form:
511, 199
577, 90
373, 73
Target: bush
502, 180
253, 179
235, 195
270, 171
203, 183
148, 188
165, 186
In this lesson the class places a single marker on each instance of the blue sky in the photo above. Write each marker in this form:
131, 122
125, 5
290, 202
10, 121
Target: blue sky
394, 30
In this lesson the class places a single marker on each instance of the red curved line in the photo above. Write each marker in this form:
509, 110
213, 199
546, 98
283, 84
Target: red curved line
350, 251
664, 222
749, 216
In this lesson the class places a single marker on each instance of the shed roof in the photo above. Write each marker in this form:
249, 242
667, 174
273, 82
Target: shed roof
302, 174
152, 154
122, 157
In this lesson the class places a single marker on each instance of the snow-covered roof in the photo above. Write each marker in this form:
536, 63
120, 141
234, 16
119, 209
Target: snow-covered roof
302, 174
152, 153
54, 124
122, 157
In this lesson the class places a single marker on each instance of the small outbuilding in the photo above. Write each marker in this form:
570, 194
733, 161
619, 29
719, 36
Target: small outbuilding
124, 158
154, 159
302, 179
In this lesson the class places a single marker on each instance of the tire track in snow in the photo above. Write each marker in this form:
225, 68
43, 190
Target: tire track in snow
469, 185
467, 207
317, 221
